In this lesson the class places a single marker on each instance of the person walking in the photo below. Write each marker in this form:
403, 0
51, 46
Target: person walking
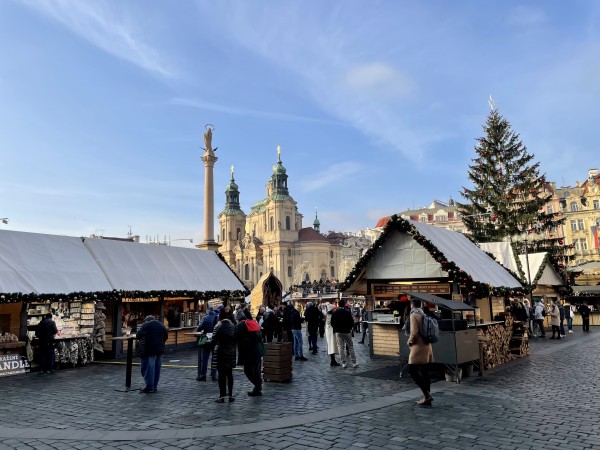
342, 323
46, 332
562, 310
296, 327
570, 314
555, 320
250, 353
269, 324
365, 324
206, 326
313, 316
224, 355
421, 354
286, 322
585, 311
332, 347
151, 337
539, 313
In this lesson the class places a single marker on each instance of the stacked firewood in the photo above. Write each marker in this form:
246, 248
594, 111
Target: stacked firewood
496, 341
519, 343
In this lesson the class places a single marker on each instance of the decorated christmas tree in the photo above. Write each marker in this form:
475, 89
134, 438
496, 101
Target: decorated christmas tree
508, 196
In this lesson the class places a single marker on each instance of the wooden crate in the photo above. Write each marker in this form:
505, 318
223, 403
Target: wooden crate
277, 362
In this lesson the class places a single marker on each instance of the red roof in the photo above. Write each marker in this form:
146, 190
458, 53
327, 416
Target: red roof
310, 234
381, 223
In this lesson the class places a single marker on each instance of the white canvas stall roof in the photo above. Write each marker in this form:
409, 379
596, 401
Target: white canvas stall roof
467, 256
549, 277
503, 253
146, 267
47, 264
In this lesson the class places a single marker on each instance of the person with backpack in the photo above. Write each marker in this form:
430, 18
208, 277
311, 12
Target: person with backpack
539, 313
421, 353
206, 326
250, 353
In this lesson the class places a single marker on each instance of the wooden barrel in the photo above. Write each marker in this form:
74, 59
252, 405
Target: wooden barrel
277, 363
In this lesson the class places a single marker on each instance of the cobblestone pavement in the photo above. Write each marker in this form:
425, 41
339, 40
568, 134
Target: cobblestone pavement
548, 400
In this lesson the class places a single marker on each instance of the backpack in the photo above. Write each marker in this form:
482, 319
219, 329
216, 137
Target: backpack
430, 331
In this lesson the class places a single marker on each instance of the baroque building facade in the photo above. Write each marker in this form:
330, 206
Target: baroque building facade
271, 237
438, 213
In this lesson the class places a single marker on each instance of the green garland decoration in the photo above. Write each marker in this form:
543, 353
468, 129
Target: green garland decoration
118, 295
455, 273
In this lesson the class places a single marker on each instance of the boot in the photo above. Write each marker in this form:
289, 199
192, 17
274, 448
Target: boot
333, 361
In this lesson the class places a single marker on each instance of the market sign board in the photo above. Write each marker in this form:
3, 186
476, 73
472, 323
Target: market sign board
392, 290
13, 365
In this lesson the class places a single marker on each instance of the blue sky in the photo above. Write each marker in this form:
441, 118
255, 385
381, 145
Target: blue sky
376, 105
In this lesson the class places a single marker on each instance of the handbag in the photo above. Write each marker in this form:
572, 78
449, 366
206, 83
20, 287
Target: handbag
203, 340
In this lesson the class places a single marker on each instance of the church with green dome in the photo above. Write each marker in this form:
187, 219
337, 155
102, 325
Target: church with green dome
271, 237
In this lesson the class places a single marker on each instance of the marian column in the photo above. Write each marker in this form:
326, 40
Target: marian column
209, 159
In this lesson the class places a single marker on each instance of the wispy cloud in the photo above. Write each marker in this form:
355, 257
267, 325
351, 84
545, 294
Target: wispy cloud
233, 110
333, 62
526, 16
329, 176
100, 24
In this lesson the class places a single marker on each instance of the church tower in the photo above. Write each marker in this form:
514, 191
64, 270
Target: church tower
232, 222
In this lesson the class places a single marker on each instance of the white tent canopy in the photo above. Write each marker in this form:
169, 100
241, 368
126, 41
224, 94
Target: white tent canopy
144, 267
503, 253
47, 264
402, 257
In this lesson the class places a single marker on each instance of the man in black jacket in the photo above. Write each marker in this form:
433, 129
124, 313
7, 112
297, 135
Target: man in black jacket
313, 316
585, 311
342, 323
151, 336
296, 326
45, 332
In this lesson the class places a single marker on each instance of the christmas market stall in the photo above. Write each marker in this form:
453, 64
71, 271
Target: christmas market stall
44, 274
411, 256
172, 283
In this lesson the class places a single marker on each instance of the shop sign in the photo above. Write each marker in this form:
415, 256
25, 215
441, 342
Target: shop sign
13, 365
139, 300
390, 290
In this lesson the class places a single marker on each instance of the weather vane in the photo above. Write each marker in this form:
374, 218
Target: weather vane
232, 171
492, 103
279, 152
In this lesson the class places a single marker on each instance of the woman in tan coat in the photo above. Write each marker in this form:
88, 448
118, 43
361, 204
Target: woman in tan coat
421, 353
555, 320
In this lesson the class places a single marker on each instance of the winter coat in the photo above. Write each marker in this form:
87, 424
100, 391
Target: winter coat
224, 342
420, 352
554, 316
342, 321
270, 321
562, 310
46, 330
207, 324
538, 311
249, 339
584, 310
330, 336
287, 317
295, 320
151, 337
313, 319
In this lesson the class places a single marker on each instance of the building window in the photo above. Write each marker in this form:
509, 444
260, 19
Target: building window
289, 252
580, 224
288, 222
576, 244
323, 275
423, 219
332, 272
584, 244
574, 207
441, 218
289, 271
247, 272
223, 234
238, 234
549, 209
271, 224
573, 225
596, 204
331, 254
